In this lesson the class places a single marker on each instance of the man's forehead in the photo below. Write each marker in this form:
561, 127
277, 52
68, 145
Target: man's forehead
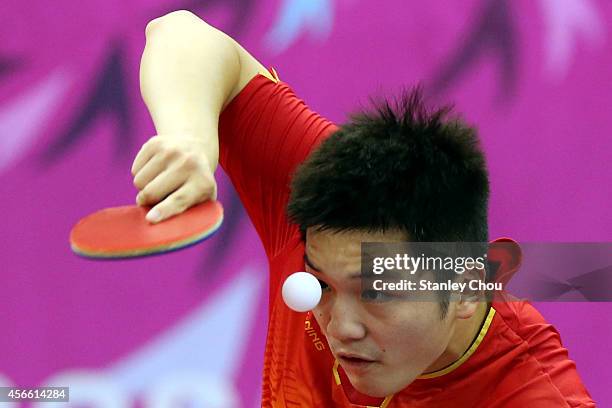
333, 262
338, 253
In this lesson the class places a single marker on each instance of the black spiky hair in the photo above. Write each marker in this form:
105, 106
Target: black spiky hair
396, 166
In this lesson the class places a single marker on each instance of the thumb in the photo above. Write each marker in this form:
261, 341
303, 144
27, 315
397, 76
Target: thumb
175, 203
154, 215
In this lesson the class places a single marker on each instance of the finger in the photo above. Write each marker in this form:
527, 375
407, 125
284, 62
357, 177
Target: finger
144, 155
210, 191
150, 170
160, 187
175, 203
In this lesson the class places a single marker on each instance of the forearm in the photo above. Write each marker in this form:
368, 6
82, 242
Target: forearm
187, 74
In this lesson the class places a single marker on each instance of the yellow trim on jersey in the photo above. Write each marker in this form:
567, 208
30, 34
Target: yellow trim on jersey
336, 375
467, 354
385, 402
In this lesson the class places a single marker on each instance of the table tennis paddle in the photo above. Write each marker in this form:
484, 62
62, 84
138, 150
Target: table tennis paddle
124, 232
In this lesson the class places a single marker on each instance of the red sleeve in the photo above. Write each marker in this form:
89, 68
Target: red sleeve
545, 345
547, 374
264, 133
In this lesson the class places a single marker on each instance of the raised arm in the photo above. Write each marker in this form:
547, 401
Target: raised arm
189, 72
210, 107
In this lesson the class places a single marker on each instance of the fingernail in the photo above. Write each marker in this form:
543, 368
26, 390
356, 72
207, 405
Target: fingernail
153, 215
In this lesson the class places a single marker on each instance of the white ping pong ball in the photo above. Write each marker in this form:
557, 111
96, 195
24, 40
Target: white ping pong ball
301, 291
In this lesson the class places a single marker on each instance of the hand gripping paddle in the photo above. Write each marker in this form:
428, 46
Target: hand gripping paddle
124, 232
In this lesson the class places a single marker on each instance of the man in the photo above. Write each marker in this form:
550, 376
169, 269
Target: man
395, 174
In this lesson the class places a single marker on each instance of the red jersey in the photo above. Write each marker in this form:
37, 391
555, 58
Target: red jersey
516, 360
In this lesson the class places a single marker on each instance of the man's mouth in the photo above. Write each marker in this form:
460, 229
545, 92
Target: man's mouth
355, 362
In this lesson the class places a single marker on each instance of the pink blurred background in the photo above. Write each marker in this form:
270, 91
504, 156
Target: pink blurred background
534, 76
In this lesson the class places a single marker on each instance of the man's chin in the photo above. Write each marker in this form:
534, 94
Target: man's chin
377, 387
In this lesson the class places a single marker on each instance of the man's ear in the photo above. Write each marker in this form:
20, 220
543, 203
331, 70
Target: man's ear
468, 300
505, 255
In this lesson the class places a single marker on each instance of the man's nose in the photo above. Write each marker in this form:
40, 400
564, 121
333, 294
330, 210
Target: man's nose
344, 322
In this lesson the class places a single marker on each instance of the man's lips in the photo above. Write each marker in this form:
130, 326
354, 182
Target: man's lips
354, 362
353, 356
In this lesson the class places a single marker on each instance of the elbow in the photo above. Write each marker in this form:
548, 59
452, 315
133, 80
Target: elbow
172, 21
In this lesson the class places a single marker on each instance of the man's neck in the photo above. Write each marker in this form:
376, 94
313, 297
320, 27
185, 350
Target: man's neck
464, 335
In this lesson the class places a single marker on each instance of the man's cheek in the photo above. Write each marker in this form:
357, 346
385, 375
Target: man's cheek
321, 319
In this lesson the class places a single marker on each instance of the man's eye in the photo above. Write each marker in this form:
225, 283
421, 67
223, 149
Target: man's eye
372, 295
324, 286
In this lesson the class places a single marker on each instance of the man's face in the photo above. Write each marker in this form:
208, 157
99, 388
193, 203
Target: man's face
382, 342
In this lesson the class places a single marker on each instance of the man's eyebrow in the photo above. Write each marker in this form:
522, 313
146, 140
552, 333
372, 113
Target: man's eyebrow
309, 263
